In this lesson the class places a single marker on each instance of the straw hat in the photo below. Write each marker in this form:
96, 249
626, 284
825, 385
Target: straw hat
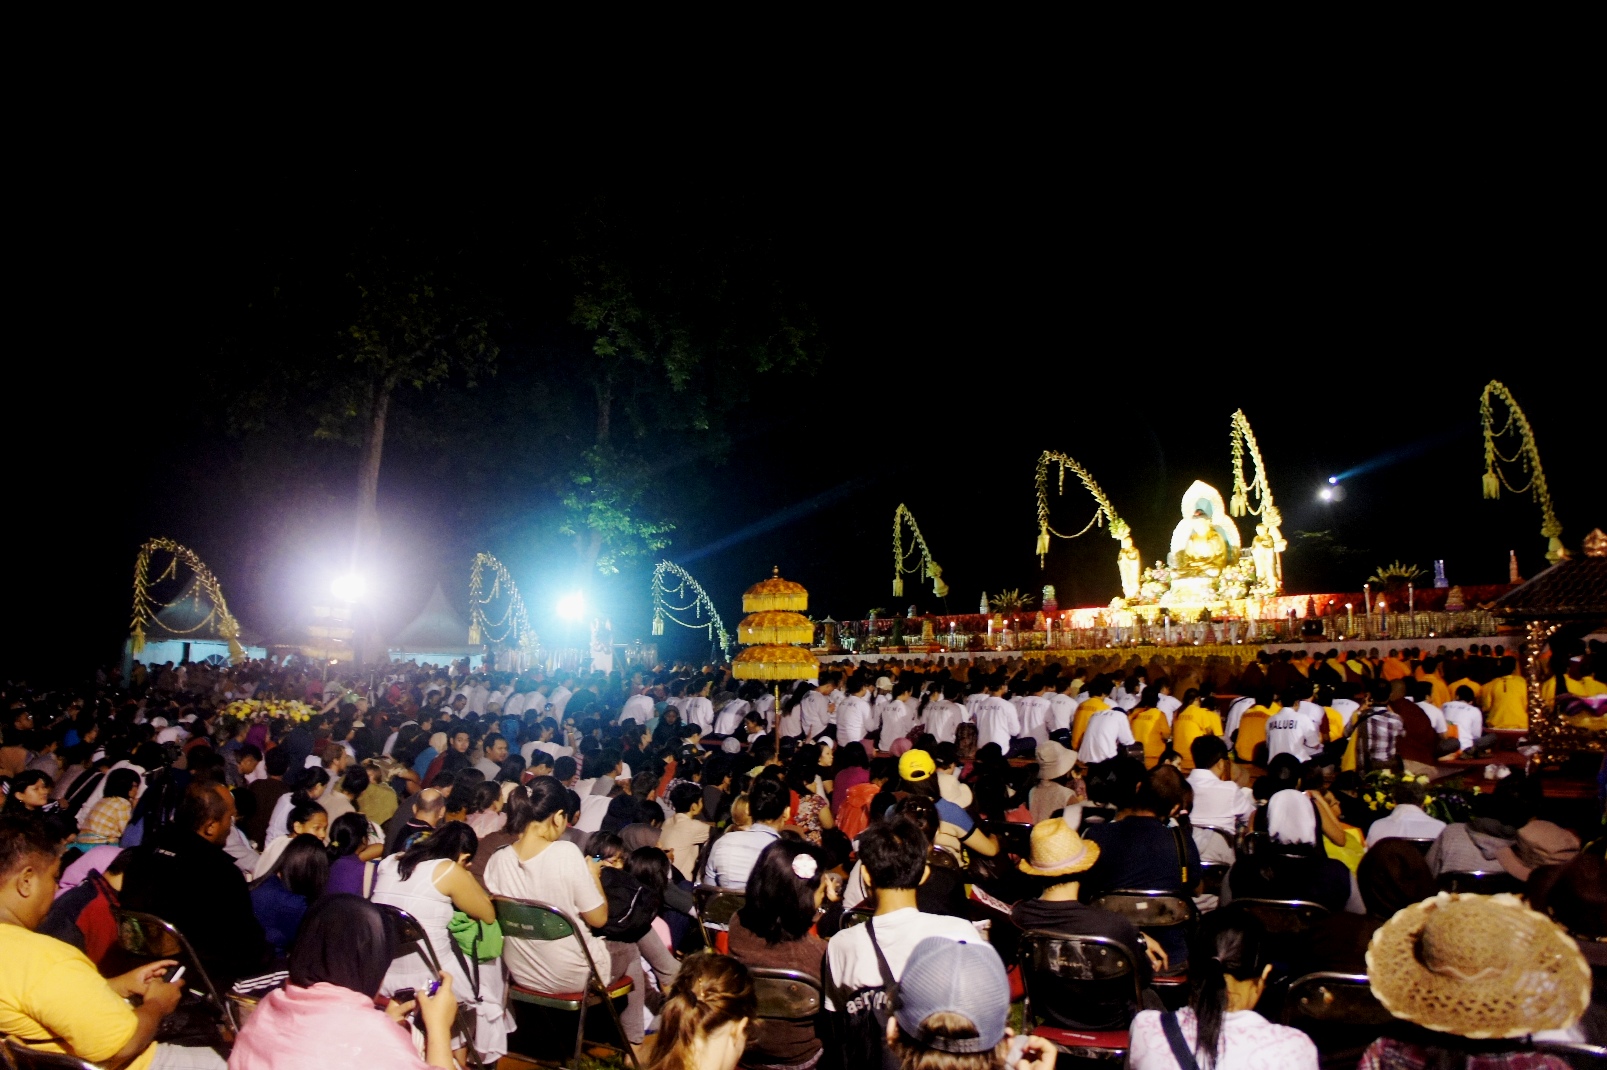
1054, 761
1539, 843
1478, 966
1057, 850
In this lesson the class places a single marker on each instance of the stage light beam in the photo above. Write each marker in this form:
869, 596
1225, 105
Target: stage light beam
572, 606
349, 588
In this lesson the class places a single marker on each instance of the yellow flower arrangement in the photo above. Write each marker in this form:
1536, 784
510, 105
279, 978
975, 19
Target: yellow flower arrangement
245, 709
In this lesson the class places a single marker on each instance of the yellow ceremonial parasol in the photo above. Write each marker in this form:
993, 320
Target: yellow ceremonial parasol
776, 635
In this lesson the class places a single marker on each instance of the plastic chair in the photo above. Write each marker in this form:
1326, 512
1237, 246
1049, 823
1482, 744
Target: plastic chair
785, 995
148, 936
715, 908
22, 1057
531, 919
1479, 882
1284, 916
1088, 966
1338, 1011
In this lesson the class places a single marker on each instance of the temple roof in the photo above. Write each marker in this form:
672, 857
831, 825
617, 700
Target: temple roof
1571, 589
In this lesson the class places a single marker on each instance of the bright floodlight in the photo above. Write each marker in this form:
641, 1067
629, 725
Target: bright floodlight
1333, 479
1326, 495
349, 588
571, 606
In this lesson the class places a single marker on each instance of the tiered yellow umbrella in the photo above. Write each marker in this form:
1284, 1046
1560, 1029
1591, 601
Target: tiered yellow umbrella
775, 634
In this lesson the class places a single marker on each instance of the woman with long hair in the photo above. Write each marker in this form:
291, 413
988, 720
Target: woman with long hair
306, 818
349, 872
788, 891
705, 1021
30, 791
325, 1015
429, 881
1228, 970
809, 810
307, 786
280, 897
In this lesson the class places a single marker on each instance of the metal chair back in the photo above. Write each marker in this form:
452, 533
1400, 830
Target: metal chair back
1086, 967
1283, 916
1212, 876
1422, 843
1150, 909
1014, 836
532, 919
857, 916
22, 1057
148, 936
1576, 1053
715, 908
1479, 882
1333, 997
1229, 836
785, 995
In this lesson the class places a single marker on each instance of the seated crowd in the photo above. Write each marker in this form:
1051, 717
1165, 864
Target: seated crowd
923, 845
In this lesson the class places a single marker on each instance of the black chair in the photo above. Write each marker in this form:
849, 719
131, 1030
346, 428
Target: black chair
1283, 916
1015, 837
1576, 1053
147, 936
715, 908
1092, 965
785, 995
19, 1056
1212, 876
1422, 843
1479, 882
1152, 910
411, 935
1339, 1012
1229, 836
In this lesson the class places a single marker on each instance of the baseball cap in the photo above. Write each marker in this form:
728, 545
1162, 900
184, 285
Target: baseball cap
916, 765
961, 978
884, 683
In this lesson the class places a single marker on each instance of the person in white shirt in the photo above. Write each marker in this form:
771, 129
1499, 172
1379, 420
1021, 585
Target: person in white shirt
698, 709
976, 695
1466, 716
733, 713
815, 708
1407, 819
893, 864
1218, 801
1346, 708
897, 715
942, 714
1168, 703
1107, 733
637, 708
1127, 693
1294, 730
1064, 701
1032, 710
854, 714
1436, 716
792, 709
1222, 1006
996, 720
559, 698
732, 857
1236, 711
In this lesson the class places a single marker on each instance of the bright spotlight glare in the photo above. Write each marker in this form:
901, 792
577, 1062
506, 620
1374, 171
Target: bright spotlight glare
1333, 479
349, 588
1326, 495
571, 606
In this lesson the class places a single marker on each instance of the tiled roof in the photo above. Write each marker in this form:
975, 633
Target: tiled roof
1576, 587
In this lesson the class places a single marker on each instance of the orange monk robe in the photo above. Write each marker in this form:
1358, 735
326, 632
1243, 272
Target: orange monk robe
1084, 714
1192, 723
1396, 669
1505, 702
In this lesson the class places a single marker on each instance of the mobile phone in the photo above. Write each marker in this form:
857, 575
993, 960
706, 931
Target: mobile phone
172, 974
404, 995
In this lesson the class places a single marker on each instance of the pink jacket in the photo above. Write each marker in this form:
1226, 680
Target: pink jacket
320, 1027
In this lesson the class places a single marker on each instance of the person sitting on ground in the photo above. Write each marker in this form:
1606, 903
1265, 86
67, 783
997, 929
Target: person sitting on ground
1220, 1027
1475, 845
1470, 978
788, 891
706, 1019
1058, 857
1407, 819
326, 1015
51, 997
281, 896
1390, 877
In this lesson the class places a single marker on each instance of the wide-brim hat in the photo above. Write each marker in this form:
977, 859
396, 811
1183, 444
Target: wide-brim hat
1478, 966
1054, 761
1058, 851
1539, 843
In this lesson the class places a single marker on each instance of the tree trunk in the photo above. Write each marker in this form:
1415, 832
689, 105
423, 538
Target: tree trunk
367, 541
605, 403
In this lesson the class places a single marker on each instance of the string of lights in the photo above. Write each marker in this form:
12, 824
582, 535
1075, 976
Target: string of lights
146, 605
684, 586
515, 620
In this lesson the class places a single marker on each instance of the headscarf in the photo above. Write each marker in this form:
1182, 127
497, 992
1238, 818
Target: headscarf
1393, 874
1290, 818
344, 940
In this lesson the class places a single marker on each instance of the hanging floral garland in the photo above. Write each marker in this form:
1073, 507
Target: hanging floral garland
514, 622
1105, 511
147, 606
1527, 456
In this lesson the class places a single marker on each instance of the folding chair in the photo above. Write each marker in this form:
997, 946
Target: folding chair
148, 936
411, 934
1151, 910
857, 916
715, 908
1229, 836
1283, 916
1014, 836
1339, 1012
1085, 967
1479, 882
531, 919
1212, 876
785, 995
21, 1057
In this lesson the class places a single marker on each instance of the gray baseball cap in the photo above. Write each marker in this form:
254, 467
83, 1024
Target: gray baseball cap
963, 978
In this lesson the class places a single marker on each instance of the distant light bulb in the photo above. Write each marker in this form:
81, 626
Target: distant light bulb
1333, 479
349, 588
1326, 495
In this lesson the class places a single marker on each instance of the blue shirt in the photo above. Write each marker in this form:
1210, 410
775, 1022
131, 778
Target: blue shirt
421, 764
1141, 853
279, 911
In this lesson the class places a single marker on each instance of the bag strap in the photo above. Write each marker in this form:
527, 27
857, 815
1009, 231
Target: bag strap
889, 985
471, 970
1182, 855
1180, 1046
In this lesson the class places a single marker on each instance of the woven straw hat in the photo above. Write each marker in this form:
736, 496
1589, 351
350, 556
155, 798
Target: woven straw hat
1479, 966
1058, 851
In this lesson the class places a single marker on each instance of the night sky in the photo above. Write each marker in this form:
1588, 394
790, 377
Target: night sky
965, 325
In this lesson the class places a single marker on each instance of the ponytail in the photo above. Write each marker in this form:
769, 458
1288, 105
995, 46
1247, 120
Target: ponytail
710, 991
1234, 946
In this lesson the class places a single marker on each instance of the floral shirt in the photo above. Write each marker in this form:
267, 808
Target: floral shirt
1388, 1054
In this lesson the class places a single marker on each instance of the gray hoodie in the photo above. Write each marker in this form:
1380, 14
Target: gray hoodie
1470, 847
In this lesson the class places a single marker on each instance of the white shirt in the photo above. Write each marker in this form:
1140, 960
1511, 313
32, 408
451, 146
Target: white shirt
699, 711
851, 961
1346, 708
1033, 713
1219, 802
1062, 708
1249, 1042
1107, 731
943, 717
1290, 731
1230, 724
1408, 821
1468, 719
559, 698
637, 708
972, 702
1436, 716
1169, 705
558, 875
733, 855
898, 717
853, 720
730, 718
816, 713
996, 722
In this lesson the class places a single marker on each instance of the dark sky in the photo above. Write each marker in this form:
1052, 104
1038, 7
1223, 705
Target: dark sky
967, 323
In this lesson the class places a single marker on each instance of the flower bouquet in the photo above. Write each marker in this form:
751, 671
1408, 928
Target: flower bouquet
246, 708
1450, 801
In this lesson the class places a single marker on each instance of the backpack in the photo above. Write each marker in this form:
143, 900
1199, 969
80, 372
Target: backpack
631, 907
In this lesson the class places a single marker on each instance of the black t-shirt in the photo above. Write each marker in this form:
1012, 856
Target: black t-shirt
1052, 998
196, 887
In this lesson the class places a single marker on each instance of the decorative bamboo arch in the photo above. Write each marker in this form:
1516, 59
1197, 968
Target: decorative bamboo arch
684, 586
146, 605
515, 619
1527, 455
1118, 526
1240, 503
901, 515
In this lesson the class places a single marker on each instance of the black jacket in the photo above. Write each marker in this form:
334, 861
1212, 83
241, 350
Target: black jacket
195, 886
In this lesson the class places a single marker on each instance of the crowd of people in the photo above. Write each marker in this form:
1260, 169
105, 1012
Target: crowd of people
899, 834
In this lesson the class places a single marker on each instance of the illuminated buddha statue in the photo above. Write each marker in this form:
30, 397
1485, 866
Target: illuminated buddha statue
1205, 552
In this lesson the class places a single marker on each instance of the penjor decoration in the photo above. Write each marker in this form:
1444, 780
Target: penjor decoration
684, 586
1266, 549
514, 621
1527, 457
901, 516
146, 605
1104, 511
773, 631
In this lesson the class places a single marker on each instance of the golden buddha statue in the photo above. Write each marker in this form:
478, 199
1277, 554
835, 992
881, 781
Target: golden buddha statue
1265, 549
1130, 564
1205, 551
